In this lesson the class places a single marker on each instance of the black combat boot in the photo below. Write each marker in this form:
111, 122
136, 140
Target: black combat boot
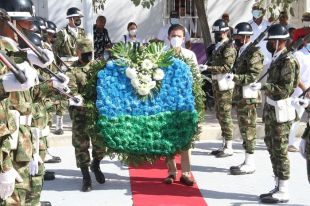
86, 187
95, 168
49, 175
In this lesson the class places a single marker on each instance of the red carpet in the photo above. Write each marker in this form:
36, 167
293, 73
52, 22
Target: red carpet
148, 188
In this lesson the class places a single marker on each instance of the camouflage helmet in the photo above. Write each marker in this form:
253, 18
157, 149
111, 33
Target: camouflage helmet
84, 45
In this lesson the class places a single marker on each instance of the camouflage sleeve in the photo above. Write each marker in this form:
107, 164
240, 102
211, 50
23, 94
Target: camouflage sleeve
255, 67
41, 91
229, 55
285, 86
3, 94
5, 159
73, 83
60, 38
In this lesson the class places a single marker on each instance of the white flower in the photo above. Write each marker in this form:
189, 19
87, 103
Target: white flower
145, 78
135, 83
147, 64
151, 85
131, 73
158, 74
143, 90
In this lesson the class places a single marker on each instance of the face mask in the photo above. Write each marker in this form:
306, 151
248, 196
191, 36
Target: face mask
21, 43
218, 37
308, 46
176, 42
133, 32
270, 47
174, 21
77, 22
238, 43
106, 55
257, 13
87, 57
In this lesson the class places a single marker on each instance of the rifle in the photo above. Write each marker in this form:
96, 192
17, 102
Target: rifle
62, 62
63, 92
293, 48
41, 55
19, 75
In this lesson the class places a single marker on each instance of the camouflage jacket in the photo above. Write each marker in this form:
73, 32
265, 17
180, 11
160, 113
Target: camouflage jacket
247, 70
222, 59
7, 127
283, 77
23, 103
65, 42
78, 75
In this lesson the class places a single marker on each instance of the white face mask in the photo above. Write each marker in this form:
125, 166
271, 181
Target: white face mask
176, 42
257, 13
133, 32
306, 23
174, 21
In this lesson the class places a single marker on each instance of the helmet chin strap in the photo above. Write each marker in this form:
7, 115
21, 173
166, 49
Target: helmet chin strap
277, 45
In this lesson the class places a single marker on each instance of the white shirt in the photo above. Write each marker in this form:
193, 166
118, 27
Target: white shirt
74, 30
303, 58
189, 54
257, 30
163, 35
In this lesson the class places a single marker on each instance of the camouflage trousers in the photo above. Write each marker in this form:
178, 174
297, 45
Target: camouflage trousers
36, 182
81, 138
223, 107
276, 140
21, 191
246, 114
306, 137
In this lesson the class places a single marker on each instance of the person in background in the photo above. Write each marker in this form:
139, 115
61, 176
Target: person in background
283, 19
303, 58
163, 32
131, 37
101, 37
65, 49
225, 17
301, 32
187, 21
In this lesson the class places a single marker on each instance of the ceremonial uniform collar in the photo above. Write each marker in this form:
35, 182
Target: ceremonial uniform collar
276, 55
243, 48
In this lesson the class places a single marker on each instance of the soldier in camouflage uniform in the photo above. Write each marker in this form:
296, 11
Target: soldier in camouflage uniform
80, 138
65, 48
247, 69
222, 61
278, 111
23, 155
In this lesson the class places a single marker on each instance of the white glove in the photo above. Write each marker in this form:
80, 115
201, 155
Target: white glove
7, 183
256, 86
229, 77
34, 164
11, 84
34, 59
57, 84
73, 103
302, 148
203, 67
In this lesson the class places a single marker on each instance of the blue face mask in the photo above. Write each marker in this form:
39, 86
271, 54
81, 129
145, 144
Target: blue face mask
257, 13
174, 21
308, 46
